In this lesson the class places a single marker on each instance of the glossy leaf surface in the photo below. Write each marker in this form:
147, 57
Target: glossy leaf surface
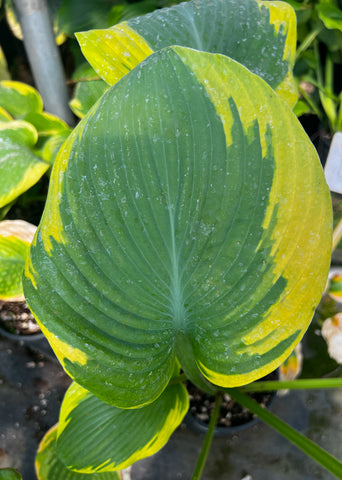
15, 240
188, 217
94, 436
46, 123
19, 99
20, 168
259, 35
49, 467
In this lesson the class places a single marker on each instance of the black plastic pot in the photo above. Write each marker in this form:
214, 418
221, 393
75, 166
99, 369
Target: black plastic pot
25, 338
246, 420
35, 341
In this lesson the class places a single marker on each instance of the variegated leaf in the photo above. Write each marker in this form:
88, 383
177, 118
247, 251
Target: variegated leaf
259, 34
188, 218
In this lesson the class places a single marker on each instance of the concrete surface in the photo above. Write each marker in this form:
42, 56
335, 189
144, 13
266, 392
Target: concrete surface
32, 386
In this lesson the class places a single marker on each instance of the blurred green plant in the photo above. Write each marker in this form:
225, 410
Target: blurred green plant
9, 474
30, 140
15, 240
319, 52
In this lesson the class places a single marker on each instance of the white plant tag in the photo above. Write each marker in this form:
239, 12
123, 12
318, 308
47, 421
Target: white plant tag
333, 166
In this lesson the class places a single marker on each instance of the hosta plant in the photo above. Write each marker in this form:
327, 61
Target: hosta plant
187, 228
15, 239
29, 139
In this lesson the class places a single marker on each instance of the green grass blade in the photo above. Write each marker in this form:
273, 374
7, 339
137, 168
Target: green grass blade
208, 439
302, 384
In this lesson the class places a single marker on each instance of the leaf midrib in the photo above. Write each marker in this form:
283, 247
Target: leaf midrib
176, 291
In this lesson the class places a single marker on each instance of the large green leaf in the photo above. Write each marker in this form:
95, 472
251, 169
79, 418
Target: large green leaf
260, 35
96, 437
49, 466
188, 217
20, 168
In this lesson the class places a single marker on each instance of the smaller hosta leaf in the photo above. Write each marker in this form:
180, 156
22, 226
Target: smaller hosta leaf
9, 474
52, 146
96, 437
19, 99
19, 167
49, 467
47, 123
15, 26
15, 240
5, 116
89, 89
84, 72
259, 35
86, 95
19, 131
113, 52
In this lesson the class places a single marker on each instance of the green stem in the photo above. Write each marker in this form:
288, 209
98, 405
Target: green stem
186, 358
307, 41
302, 384
207, 439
